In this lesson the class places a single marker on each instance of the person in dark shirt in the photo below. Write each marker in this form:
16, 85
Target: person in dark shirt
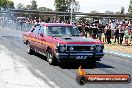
116, 35
87, 29
100, 30
80, 28
94, 31
108, 35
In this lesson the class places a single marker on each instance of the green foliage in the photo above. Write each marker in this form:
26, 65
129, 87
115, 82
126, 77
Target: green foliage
122, 10
94, 11
28, 7
44, 9
61, 5
6, 4
65, 5
33, 5
130, 7
109, 12
118, 12
20, 6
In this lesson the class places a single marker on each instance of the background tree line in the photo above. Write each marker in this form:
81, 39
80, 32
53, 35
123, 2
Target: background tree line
60, 5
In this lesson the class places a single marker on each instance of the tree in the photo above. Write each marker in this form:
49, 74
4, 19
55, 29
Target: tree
94, 11
48, 9
109, 12
65, 5
76, 6
33, 5
10, 4
20, 6
61, 5
130, 7
28, 7
6, 4
118, 12
44, 9
3, 4
122, 10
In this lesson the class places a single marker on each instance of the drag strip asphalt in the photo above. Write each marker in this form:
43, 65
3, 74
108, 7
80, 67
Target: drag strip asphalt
61, 76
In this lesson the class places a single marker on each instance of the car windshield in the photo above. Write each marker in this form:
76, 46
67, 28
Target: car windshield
60, 31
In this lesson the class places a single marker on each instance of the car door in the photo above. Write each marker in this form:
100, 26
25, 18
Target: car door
34, 39
40, 36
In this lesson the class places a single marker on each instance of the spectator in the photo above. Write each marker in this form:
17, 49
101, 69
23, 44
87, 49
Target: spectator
116, 35
86, 29
126, 35
100, 30
113, 26
105, 29
130, 36
94, 31
81, 30
121, 32
108, 35
130, 30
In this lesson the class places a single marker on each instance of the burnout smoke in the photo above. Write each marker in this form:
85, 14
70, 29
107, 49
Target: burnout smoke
14, 21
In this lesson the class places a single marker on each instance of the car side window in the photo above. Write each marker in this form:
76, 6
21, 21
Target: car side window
41, 30
36, 30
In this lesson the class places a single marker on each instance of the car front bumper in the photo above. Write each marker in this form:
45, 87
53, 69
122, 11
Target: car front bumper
73, 56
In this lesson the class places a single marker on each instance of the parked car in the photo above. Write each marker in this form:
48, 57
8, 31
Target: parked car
62, 43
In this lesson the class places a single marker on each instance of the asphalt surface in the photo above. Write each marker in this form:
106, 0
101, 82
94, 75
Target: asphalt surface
62, 76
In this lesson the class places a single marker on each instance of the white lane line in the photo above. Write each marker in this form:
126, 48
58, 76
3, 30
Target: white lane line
15, 74
119, 54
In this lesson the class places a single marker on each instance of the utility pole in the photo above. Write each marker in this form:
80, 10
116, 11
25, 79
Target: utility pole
71, 11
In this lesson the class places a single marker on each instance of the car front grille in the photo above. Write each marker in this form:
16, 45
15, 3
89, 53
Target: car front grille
79, 48
83, 48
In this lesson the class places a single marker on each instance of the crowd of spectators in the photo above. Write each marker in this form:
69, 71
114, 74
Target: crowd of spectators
118, 30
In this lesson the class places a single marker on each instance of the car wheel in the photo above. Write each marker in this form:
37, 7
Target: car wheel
29, 50
50, 57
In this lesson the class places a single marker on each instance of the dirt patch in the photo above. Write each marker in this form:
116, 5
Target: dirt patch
118, 48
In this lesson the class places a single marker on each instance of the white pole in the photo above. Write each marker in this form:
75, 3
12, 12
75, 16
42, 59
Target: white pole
71, 11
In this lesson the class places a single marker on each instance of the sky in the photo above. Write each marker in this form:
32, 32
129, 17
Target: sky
86, 5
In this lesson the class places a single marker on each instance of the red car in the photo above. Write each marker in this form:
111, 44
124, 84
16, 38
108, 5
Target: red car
62, 43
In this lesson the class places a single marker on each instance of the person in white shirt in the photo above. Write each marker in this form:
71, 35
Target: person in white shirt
121, 32
113, 28
130, 30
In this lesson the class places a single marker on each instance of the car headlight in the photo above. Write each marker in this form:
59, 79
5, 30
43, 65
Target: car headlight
62, 47
91, 48
71, 48
98, 48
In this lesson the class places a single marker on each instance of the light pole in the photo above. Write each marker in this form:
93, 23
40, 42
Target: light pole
71, 11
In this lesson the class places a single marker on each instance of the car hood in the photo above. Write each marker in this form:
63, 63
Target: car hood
78, 40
